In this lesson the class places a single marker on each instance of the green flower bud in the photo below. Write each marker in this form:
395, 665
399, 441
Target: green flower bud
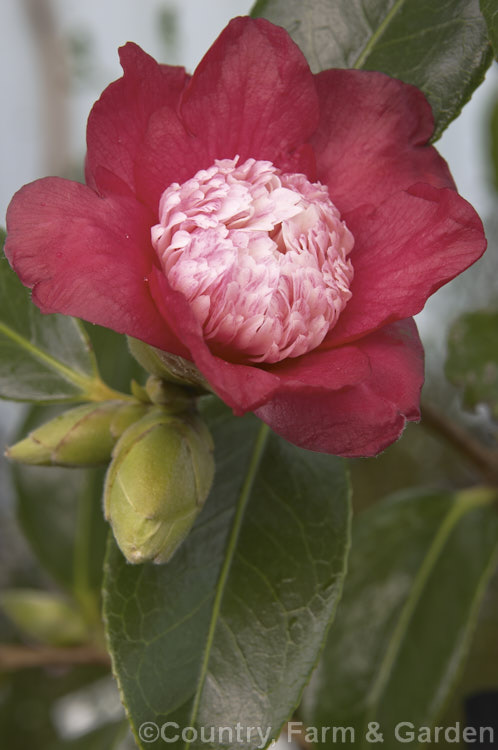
125, 416
44, 616
157, 483
172, 397
84, 436
168, 366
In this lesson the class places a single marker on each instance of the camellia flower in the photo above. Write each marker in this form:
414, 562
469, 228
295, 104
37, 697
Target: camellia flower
276, 228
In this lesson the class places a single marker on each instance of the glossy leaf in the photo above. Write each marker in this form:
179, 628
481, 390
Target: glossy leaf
473, 358
441, 47
489, 9
419, 568
230, 629
44, 358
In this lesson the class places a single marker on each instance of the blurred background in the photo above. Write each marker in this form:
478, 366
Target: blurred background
55, 59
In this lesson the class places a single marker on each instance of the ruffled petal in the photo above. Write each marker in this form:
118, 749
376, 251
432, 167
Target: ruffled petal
362, 419
372, 136
87, 251
87, 256
119, 119
245, 387
242, 387
407, 248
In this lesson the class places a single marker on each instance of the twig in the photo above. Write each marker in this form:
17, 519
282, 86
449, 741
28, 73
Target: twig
14, 657
483, 459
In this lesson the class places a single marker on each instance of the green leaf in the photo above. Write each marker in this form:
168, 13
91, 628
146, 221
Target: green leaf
60, 513
489, 10
43, 358
45, 616
117, 366
472, 361
419, 568
230, 629
481, 670
441, 47
47, 511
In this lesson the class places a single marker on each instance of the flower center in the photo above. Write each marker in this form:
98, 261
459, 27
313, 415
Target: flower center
261, 256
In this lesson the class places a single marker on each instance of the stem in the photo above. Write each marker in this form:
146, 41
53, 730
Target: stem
97, 390
91, 386
482, 458
13, 657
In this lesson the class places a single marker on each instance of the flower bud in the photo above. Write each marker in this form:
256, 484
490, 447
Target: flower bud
157, 483
45, 616
84, 436
168, 366
171, 396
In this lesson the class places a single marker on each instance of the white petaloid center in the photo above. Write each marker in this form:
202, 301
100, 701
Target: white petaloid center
261, 256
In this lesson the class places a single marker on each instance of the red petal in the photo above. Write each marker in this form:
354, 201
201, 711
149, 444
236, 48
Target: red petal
245, 387
322, 371
252, 94
168, 154
242, 387
407, 248
87, 256
371, 139
363, 419
118, 121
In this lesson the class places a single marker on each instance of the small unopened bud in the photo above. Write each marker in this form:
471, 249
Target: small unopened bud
45, 616
168, 366
157, 483
124, 416
172, 397
84, 436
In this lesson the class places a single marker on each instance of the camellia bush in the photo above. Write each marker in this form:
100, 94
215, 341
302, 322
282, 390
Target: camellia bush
222, 318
